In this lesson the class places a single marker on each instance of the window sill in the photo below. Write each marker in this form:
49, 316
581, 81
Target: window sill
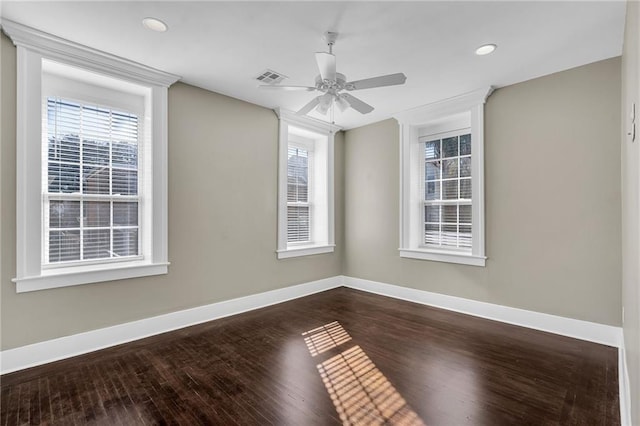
65, 277
305, 251
442, 256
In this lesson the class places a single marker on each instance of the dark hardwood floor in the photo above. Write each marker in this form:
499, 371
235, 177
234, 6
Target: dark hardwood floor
340, 356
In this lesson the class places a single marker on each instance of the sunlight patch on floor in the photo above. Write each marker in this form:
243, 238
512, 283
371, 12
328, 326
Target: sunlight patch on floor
326, 337
358, 389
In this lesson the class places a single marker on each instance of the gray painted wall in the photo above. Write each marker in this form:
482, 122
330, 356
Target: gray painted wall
550, 141
552, 161
222, 222
631, 205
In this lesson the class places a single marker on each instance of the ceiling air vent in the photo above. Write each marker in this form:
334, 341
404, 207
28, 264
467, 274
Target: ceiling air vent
270, 77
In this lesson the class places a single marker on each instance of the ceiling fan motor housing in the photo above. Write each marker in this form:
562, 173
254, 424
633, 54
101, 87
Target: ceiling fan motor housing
331, 86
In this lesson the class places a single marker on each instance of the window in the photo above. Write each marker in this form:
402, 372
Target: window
90, 188
91, 169
442, 179
305, 188
298, 205
447, 194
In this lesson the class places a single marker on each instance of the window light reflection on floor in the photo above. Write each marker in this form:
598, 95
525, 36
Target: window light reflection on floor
326, 337
358, 389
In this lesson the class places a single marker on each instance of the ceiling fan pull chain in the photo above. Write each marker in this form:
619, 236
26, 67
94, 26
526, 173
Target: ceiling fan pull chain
333, 110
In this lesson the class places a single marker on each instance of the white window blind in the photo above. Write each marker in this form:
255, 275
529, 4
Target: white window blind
298, 205
91, 196
447, 191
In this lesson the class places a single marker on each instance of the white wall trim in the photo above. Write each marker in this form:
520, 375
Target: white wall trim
85, 57
442, 256
306, 121
578, 329
446, 107
78, 344
624, 394
110, 272
305, 251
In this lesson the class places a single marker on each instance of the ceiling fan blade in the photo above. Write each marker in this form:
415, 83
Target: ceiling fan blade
308, 107
288, 88
357, 104
342, 103
326, 65
381, 81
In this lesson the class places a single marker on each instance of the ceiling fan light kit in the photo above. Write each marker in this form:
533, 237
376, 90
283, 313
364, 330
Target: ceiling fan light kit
333, 84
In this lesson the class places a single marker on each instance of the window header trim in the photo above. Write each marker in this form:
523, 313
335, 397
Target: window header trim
306, 122
52, 47
444, 108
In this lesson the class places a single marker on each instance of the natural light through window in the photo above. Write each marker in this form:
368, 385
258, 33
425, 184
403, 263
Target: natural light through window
362, 394
447, 194
91, 185
327, 337
359, 391
298, 206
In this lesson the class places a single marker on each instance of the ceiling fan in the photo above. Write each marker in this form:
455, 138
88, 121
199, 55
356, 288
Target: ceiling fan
333, 84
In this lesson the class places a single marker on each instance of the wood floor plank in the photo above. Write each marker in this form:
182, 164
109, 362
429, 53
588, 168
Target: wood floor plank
336, 357
23, 404
10, 399
612, 386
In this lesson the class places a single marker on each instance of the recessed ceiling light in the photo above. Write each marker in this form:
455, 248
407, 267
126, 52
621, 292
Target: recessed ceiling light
485, 49
154, 24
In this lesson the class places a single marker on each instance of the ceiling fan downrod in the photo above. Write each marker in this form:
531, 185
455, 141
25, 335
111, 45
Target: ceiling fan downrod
330, 37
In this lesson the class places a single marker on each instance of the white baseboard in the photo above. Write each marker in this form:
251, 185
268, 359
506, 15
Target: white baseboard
584, 330
77, 344
623, 380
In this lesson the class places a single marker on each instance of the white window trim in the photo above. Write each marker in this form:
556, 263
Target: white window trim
412, 124
305, 251
285, 250
32, 47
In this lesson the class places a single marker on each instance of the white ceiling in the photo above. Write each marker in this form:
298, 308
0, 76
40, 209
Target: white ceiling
222, 46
